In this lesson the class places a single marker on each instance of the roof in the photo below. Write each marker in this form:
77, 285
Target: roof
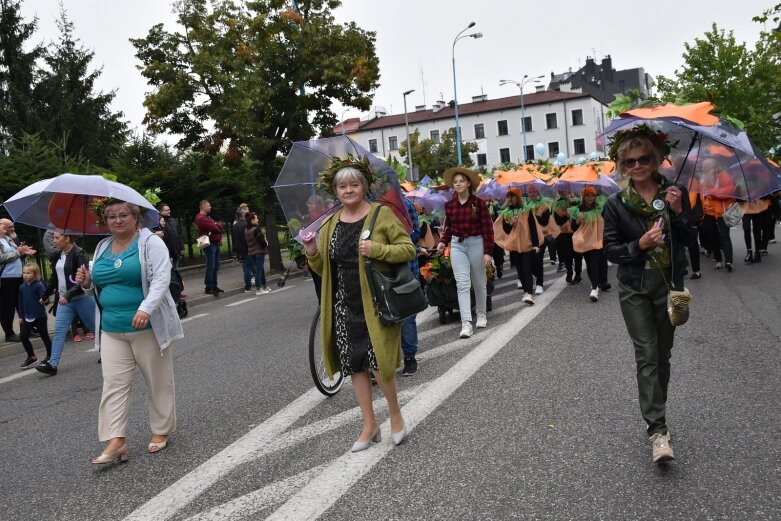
465, 109
349, 124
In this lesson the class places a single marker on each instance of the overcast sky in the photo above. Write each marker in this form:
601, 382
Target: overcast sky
415, 38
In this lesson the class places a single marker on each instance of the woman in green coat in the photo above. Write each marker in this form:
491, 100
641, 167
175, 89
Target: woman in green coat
353, 339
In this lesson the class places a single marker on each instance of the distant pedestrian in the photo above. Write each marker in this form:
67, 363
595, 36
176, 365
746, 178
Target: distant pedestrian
171, 236
11, 255
237, 233
212, 229
32, 314
587, 239
70, 299
470, 234
257, 248
648, 226
409, 326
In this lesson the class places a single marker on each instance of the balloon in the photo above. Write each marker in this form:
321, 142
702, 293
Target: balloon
540, 149
581, 160
593, 156
562, 158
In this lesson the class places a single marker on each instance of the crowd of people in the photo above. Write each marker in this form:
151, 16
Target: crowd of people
122, 298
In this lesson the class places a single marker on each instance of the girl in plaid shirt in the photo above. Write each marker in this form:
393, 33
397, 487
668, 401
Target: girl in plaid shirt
469, 231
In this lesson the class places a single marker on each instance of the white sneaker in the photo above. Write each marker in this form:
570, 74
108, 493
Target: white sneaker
594, 295
466, 330
538, 290
528, 299
481, 321
519, 285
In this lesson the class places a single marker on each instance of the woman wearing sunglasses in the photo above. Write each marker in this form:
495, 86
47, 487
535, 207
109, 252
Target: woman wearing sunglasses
648, 226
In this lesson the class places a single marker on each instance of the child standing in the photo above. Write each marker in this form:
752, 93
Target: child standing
32, 314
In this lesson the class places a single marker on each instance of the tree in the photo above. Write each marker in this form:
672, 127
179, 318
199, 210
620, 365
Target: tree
74, 113
631, 99
244, 79
431, 158
17, 74
744, 84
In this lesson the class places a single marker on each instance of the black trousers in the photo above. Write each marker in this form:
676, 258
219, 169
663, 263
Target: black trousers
9, 296
718, 237
523, 267
694, 253
564, 249
596, 267
753, 223
43, 329
537, 265
768, 223
550, 242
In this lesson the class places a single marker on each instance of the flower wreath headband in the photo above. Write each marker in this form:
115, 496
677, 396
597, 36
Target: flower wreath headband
99, 205
657, 137
326, 181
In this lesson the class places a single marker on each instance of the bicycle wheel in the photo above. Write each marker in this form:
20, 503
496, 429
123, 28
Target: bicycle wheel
324, 383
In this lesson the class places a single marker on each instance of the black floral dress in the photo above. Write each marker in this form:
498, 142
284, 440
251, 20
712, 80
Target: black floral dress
351, 335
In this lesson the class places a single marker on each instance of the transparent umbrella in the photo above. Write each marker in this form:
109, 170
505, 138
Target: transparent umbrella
305, 207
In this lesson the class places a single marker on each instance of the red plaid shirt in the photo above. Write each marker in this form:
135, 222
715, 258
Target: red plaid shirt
468, 220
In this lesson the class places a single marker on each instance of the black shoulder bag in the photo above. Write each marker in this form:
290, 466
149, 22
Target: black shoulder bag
397, 295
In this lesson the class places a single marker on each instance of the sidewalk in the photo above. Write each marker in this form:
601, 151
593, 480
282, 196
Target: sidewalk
230, 278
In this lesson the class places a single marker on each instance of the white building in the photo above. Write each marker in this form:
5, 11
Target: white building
565, 122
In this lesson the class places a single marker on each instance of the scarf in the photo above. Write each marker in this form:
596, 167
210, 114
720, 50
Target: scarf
661, 256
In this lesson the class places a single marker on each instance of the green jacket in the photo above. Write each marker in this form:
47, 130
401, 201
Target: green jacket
391, 244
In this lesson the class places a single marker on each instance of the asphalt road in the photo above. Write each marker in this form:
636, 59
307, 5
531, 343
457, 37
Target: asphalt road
534, 418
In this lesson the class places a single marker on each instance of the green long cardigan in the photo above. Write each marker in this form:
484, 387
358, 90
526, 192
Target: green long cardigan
391, 244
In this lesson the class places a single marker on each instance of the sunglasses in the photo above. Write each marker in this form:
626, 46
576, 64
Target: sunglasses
630, 162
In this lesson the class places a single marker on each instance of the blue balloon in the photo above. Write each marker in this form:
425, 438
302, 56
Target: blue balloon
540, 149
581, 160
594, 156
562, 158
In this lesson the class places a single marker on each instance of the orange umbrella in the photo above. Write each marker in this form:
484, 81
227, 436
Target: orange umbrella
698, 113
514, 176
581, 173
407, 186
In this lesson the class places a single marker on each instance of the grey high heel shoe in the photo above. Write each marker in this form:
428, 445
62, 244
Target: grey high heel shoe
358, 446
398, 437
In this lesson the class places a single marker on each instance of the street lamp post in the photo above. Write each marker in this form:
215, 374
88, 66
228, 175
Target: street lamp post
409, 145
343, 113
455, 91
520, 85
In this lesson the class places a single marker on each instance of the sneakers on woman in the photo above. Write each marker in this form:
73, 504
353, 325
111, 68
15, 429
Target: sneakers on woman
481, 321
594, 295
660, 448
466, 330
539, 289
519, 285
528, 298
89, 336
29, 362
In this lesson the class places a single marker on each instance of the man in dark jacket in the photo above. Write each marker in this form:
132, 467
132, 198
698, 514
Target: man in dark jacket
237, 233
170, 235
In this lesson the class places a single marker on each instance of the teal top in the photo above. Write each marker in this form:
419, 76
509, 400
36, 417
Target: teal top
117, 276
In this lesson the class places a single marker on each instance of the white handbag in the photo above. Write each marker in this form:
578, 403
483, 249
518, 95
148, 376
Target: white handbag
203, 241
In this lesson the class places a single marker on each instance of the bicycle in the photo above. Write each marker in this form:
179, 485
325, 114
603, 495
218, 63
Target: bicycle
327, 385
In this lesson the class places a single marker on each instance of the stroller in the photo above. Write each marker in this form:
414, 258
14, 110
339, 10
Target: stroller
441, 292
176, 287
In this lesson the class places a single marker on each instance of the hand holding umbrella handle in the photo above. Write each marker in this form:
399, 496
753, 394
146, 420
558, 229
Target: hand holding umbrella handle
83, 277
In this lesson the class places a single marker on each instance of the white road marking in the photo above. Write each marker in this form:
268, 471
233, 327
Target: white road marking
18, 375
193, 317
168, 502
324, 490
240, 302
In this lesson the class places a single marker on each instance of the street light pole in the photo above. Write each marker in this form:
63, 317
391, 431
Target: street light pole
343, 113
520, 85
455, 91
409, 145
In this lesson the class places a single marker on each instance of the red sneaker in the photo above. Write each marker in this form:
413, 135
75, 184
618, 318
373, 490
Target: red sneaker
77, 338
89, 336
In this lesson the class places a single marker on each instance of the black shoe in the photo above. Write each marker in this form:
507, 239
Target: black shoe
410, 366
561, 267
44, 361
208, 291
577, 279
757, 257
749, 257
47, 368
568, 279
31, 361
728, 265
696, 275
218, 290
13, 337
605, 287
499, 272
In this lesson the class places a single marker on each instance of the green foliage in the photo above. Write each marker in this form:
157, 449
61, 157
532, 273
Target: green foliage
399, 167
744, 84
631, 99
431, 158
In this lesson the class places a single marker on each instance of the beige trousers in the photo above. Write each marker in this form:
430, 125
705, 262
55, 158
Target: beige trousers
120, 354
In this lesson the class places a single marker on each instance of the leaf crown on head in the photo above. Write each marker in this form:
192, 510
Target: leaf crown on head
326, 181
657, 137
99, 205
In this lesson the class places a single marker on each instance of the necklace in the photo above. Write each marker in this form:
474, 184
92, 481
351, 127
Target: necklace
109, 253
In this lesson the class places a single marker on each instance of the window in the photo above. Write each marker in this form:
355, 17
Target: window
527, 123
553, 149
480, 131
529, 152
577, 118
434, 135
393, 143
580, 146
551, 121
481, 160
502, 127
504, 154
373, 146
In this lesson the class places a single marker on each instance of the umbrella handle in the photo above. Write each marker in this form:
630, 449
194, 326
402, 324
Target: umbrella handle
683, 163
